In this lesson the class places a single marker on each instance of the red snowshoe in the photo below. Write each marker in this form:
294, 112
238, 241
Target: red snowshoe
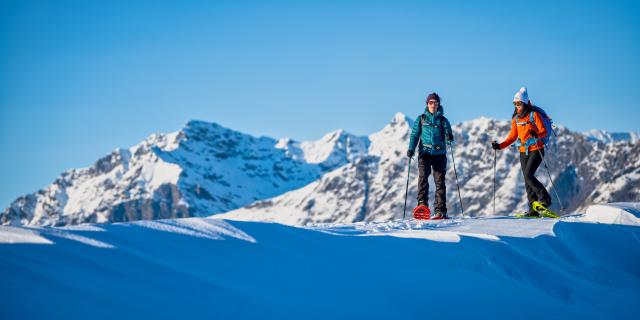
421, 212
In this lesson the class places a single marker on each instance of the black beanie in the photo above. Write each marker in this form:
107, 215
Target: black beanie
433, 96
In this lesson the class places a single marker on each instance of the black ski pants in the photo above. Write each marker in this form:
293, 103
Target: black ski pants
535, 189
439, 164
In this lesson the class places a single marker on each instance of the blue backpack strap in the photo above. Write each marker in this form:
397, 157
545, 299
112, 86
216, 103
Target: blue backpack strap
531, 141
533, 122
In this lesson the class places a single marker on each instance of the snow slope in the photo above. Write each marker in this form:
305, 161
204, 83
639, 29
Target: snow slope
477, 268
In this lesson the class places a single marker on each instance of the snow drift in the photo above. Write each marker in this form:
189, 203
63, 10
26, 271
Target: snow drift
617, 213
497, 267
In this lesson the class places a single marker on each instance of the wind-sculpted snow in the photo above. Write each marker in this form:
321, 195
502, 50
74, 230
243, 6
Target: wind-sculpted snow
477, 268
615, 213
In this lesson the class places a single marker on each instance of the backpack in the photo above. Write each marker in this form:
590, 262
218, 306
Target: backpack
546, 120
548, 125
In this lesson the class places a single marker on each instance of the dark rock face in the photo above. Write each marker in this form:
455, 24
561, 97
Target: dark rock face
165, 204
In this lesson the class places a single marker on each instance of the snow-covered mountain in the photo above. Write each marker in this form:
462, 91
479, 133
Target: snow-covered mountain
200, 170
329, 152
369, 188
206, 169
608, 137
372, 188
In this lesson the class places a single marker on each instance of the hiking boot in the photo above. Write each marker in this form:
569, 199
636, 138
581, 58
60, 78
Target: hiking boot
546, 203
439, 216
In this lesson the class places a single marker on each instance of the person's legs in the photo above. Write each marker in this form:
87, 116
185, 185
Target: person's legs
439, 163
533, 162
531, 195
424, 170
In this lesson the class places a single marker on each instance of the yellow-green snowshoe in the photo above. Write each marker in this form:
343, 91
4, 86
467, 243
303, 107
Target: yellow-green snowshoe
543, 211
526, 216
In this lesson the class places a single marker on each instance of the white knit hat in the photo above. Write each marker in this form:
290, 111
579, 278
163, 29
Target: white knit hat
521, 95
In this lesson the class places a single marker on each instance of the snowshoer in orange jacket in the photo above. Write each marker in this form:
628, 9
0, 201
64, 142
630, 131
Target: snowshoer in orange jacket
528, 135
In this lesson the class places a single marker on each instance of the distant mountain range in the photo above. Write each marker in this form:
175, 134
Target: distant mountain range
207, 169
609, 137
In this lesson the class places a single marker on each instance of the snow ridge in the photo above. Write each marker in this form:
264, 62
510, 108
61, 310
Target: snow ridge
574, 269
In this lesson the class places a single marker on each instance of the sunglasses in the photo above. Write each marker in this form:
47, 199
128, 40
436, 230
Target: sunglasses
433, 102
518, 103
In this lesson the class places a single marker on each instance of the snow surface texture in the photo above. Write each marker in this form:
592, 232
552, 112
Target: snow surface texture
494, 268
206, 169
615, 213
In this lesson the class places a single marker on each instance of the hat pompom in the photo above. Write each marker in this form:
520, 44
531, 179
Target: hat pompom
521, 95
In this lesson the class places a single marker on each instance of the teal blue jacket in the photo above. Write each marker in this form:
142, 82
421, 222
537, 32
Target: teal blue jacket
433, 131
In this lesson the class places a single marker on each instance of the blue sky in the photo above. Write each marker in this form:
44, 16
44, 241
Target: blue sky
80, 78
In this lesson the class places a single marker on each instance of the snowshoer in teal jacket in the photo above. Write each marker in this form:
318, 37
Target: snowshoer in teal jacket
431, 132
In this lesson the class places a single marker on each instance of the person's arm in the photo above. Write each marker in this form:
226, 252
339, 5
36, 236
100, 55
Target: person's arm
513, 135
448, 132
415, 136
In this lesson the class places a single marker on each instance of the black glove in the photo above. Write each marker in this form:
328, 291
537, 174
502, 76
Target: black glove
495, 145
533, 133
410, 153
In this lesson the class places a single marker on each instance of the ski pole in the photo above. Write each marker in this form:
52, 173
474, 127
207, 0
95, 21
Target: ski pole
406, 190
456, 174
552, 184
495, 152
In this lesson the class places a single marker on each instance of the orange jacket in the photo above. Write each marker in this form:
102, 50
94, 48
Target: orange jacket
522, 132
